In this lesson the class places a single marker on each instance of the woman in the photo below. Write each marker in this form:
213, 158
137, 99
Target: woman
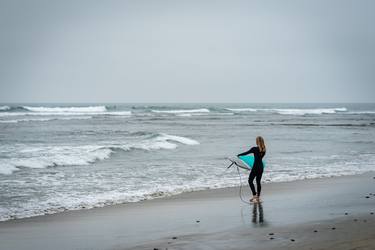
257, 169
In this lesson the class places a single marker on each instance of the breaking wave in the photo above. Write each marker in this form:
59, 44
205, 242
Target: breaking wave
181, 111
49, 156
90, 109
60, 111
2, 108
317, 111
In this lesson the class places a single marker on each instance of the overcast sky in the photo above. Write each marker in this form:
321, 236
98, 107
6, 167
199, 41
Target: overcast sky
187, 51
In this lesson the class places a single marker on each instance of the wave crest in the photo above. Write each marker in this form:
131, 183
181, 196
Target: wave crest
42, 157
89, 109
181, 111
317, 111
3, 108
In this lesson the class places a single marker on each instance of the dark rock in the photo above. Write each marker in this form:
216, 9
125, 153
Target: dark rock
333, 228
367, 197
271, 238
292, 240
346, 213
271, 234
197, 221
174, 238
315, 231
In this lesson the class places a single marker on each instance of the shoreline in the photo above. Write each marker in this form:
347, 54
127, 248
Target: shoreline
204, 217
234, 189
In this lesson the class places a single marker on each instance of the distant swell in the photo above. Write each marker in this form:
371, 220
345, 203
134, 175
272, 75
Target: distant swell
317, 111
59, 111
181, 111
87, 154
46, 119
90, 109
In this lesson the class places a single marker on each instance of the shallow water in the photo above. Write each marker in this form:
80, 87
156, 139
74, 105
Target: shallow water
56, 157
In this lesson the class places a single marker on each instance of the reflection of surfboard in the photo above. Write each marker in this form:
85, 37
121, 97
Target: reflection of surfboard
244, 161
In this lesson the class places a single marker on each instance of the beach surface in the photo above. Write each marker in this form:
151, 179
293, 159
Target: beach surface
327, 213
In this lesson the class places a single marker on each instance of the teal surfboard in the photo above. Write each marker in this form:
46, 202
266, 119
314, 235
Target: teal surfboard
249, 160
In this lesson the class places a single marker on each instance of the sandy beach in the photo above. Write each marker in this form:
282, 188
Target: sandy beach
328, 213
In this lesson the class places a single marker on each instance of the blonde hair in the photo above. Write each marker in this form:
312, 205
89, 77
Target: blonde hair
260, 144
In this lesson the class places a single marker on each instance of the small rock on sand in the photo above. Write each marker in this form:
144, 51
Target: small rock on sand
292, 240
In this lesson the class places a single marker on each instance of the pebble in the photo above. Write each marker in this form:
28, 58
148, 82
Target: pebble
197, 221
346, 213
333, 228
271, 238
291, 239
372, 213
174, 238
367, 197
315, 231
271, 234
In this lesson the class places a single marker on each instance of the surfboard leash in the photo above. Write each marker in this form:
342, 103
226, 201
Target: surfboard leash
238, 171
240, 191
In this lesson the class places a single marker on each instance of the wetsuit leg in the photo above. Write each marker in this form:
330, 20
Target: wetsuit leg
258, 178
251, 184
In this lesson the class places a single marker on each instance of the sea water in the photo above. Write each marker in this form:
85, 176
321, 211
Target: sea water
56, 157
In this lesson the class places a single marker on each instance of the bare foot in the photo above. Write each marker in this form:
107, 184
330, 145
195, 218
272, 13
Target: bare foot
254, 199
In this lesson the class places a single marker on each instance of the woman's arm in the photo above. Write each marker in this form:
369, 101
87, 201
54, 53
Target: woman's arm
251, 150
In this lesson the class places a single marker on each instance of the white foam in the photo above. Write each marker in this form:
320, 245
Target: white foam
180, 111
48, 156
46, 119
114, 113
4, 108
242, 109
7, 168
42, 157
180, 139
317, 111
89, 109
362, 112
168, 183
309, 111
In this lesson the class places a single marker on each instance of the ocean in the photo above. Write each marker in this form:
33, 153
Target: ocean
57, 157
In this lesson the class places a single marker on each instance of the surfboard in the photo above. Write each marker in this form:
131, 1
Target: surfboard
245, 161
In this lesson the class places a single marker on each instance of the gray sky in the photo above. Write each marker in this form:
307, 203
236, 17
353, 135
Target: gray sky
187, 51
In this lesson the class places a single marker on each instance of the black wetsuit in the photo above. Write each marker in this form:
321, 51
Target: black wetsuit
257, 169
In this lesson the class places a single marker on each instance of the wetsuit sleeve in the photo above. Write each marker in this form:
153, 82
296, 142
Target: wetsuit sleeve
251, 150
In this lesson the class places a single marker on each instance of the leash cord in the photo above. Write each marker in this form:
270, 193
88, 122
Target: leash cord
240, 192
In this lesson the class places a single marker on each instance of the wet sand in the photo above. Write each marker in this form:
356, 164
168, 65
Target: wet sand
329, 213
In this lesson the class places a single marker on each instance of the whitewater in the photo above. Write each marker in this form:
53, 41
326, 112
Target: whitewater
57, 157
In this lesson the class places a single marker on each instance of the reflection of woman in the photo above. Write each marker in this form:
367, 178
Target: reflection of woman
257, 170
256, 207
